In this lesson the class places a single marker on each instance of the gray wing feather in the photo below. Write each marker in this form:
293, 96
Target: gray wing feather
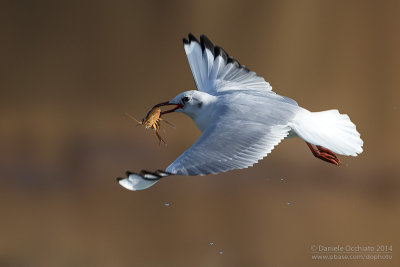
227, 145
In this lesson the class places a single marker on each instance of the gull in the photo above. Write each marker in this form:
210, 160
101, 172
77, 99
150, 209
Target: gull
242, 120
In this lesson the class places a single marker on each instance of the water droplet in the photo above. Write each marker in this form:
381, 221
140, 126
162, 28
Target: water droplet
220, 252
211, 243
166, 204
289, 203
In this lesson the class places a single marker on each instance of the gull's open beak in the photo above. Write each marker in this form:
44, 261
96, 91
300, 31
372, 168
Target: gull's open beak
177, 106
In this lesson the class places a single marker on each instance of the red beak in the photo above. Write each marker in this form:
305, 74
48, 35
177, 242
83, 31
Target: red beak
168, 104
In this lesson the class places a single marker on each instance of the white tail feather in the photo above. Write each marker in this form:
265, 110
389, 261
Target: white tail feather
329, 129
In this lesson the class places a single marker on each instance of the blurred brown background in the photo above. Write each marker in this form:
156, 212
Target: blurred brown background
71, 69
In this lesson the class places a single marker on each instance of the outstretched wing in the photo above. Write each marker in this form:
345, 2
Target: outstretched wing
221, 147
229, 145
215, 71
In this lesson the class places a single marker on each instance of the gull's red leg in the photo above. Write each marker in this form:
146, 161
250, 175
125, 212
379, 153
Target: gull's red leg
324, 154
325, 150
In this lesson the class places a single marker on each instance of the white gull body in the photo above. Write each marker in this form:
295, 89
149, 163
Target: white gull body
242, 119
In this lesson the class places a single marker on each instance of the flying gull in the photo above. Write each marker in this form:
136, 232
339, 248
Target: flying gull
242, 120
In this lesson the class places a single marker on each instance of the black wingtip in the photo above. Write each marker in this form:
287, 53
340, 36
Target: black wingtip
206, 43
219, 51
128, 173
192, 38
119, 179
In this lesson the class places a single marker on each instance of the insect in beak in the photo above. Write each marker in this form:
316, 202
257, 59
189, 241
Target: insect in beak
168, 104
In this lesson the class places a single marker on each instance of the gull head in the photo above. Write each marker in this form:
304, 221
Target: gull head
189, 102
195, 104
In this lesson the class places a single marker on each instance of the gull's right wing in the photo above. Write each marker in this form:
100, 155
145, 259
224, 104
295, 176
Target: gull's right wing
215, 71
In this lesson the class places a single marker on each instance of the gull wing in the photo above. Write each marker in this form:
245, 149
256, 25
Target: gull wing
228, 145
215, 71
221, 147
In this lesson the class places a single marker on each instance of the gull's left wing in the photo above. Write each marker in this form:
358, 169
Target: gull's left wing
225, 145
229, 145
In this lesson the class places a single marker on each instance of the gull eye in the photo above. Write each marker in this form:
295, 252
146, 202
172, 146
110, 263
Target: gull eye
185, 99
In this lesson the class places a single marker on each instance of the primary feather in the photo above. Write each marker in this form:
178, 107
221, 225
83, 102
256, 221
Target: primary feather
215, 71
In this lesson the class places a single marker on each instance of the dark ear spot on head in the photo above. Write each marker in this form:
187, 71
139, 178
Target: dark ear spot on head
200, 104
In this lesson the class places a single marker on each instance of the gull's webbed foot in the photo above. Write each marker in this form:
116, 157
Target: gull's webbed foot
324, 154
